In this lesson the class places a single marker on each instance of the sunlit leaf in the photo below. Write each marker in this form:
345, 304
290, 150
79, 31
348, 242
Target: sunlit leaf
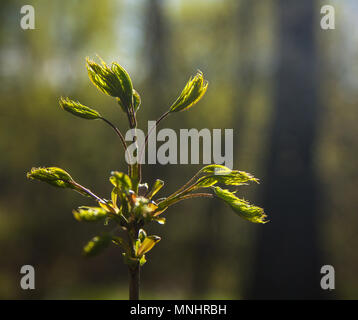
147, 245
121, 181
137, 244
55, 176
241, 207
191, 94
107, 206
113, 81
89, 214
158, 184
114, 196
234, 178
215, 169
78, 109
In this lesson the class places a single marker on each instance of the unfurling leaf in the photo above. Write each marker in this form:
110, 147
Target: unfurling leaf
97, 245
241, 207
52, 175
147, 245
78, 109
215, 169
158, 184
220, 174
234, 178
89, 214
191, 94
122, 190
113, 81
121, 181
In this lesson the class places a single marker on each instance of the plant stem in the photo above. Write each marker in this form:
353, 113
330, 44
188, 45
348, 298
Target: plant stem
88, 191
134, 168
184, 197
120, 135
134, 276
164, 115
186, 187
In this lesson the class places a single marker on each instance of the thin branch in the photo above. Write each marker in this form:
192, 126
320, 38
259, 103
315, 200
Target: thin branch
188, 196
120, 135
163, 116
88, 191
196, 195
186, 187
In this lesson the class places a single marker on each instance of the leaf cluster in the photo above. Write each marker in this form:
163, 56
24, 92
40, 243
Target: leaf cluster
132, 204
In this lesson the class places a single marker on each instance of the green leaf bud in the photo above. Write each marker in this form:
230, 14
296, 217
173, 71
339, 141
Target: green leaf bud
121, 181
191, 94
55, 176
241, 207
147, 245
113, 81
78, 109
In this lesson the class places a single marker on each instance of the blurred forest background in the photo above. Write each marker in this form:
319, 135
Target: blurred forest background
288, 88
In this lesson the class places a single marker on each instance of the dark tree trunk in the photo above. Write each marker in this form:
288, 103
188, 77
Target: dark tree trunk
246, 61
287, 263
156, 45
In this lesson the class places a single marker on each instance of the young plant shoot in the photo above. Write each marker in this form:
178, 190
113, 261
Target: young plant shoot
132, 205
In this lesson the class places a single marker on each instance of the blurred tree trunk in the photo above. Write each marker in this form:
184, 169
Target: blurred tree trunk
287, 258
156, 55
156, 46
246, 61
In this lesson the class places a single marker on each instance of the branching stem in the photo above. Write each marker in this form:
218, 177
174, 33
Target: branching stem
186, 187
